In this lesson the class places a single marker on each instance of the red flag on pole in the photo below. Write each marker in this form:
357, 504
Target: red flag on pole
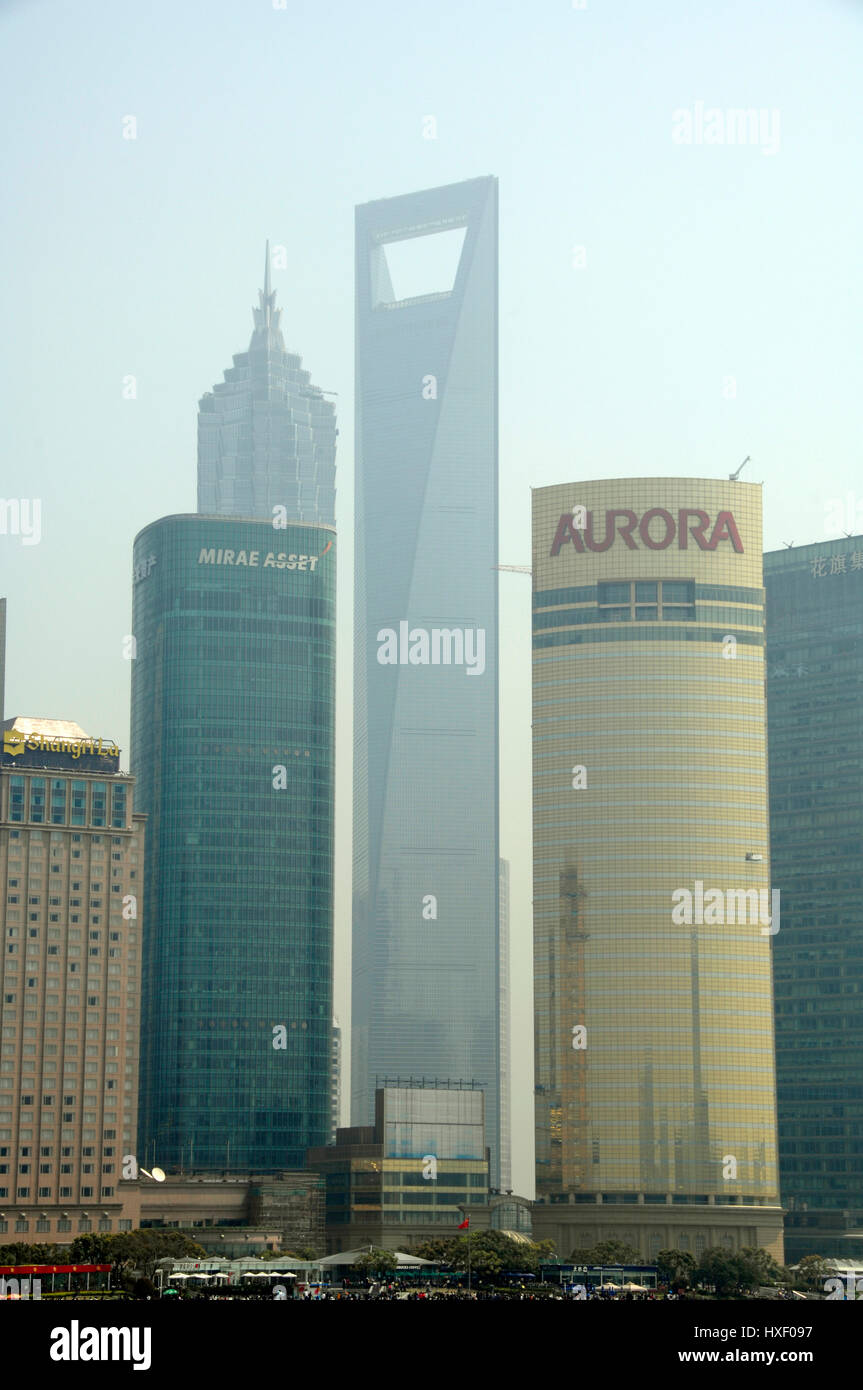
465, 1224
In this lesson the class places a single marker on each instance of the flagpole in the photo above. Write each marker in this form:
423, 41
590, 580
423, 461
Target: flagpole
468, 1256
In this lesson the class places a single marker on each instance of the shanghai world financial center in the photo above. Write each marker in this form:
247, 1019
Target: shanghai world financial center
426, 861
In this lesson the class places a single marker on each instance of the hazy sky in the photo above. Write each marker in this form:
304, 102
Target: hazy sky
713, 312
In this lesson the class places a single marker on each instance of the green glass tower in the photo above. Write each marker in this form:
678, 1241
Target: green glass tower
233, 696
815, 726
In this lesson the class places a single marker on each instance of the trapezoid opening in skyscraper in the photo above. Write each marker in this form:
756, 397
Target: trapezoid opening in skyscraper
426, 941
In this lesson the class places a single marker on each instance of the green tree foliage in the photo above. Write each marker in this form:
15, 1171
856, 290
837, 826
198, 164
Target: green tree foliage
812, 1271
92, 1249
21, 1252
733, 1272
675, 1267
606, 1252
722, 1269
758, 1268
438, 1248
376, 1263
547, 1250
142, 1249
490, 1252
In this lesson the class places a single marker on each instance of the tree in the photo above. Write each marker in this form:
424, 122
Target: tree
301, 1252
675, 1267
723, 1269
490, 1252
92, 1249
606, 1252
758, 1268
438, 1248
142, 1249
813, 1271
376, 1262
23, 1253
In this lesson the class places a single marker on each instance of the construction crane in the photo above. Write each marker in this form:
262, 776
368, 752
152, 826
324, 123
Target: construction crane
514, 569
732, 477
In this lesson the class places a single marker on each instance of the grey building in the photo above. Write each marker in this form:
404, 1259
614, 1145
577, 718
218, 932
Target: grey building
266, 435
411, 1175
815, 740
425, 947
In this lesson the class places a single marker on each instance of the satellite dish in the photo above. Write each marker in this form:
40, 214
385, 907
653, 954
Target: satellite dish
157, 1174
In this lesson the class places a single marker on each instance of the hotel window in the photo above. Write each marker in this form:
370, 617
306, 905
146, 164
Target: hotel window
79, 805
37, 799
58, 801
16, 798
118, 808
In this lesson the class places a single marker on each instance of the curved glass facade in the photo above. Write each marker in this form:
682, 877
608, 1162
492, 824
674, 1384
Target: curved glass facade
233, 694
654, 1026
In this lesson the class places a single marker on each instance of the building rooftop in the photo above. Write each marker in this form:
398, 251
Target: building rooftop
53, 728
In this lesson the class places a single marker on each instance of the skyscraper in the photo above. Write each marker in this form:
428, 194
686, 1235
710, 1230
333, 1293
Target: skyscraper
505, 1175
233, 693
71, 861
653, 916
425, 952
336, 1081
815, 724
266, 435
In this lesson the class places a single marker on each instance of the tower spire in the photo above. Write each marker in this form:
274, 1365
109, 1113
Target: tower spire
267, 317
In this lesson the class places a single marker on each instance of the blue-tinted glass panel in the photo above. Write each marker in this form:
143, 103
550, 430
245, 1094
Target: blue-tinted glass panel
614, 593
98, 803
37, 799
79, 804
